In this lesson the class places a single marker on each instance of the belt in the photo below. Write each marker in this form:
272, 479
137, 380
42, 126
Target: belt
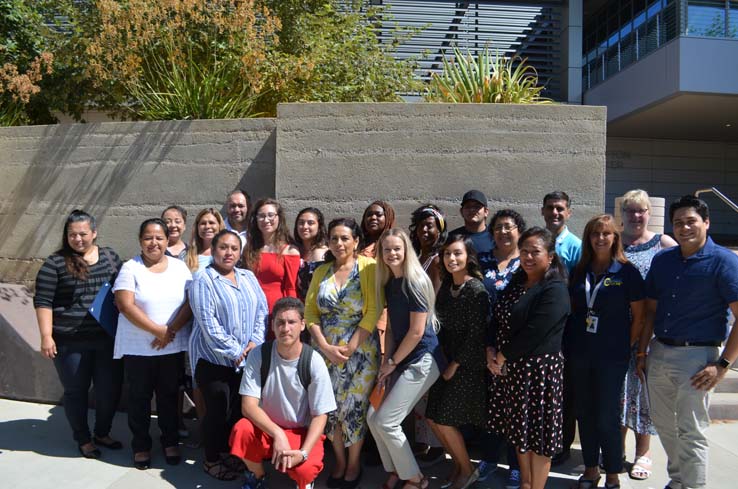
671, 342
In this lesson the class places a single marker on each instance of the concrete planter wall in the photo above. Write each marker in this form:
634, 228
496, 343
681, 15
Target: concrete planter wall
338, 157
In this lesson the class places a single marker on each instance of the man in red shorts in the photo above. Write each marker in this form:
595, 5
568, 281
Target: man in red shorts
285, 402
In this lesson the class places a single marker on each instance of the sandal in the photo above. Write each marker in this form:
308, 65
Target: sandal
218, 470
388, 486
641, 469
233, 463
423, 483
583, 483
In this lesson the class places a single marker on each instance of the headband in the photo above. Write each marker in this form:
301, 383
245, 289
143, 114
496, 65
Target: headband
437, 215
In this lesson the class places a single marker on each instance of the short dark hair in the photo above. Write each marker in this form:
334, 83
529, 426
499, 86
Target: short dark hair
177, 208
699, 205
288, 304
514, 215
557, 195
350, 223
157, 221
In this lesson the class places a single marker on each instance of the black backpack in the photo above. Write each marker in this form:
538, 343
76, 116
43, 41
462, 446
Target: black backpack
303, 364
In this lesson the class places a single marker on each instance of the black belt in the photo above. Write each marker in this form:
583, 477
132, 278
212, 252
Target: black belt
671, 342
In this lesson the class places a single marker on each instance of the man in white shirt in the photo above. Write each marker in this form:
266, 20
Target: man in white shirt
285, 404
237, 209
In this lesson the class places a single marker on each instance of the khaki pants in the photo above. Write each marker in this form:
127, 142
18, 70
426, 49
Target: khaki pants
679, 411
385, 423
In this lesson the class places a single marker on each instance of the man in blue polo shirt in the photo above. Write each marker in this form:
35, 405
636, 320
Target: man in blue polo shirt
556, 211
689, 290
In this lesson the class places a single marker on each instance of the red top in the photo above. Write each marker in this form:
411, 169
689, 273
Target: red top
277, 275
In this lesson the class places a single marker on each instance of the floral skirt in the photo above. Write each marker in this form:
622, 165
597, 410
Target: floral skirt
634, 402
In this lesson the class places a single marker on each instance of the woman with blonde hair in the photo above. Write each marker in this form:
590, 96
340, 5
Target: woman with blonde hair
208, 223
608, 310
413, 358
640, 246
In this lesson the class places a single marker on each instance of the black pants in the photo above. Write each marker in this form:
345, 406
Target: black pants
80, 364
219, 386
159, 374
569, 424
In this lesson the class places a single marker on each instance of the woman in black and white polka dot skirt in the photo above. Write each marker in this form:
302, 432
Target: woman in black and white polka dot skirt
529, 317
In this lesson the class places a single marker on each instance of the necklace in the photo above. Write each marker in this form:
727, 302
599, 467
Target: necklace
456, 289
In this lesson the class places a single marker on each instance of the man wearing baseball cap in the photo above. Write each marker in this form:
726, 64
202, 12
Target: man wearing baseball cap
475, 212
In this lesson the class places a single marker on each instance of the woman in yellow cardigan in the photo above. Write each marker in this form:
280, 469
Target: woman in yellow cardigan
341, 311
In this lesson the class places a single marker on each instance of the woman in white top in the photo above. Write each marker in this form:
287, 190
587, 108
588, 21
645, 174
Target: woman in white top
153, 332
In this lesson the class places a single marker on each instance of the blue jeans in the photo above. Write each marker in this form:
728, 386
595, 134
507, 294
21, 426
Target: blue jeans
598, 386
80, 364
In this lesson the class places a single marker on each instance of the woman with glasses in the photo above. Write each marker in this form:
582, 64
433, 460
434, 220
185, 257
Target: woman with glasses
269, 252
640, 246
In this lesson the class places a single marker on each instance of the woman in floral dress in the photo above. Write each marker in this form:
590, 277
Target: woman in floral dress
341, 312
640, 246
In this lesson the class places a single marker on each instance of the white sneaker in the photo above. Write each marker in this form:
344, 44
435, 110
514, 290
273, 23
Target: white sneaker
307, 486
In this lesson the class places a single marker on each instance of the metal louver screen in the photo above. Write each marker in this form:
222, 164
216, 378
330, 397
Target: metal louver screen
528, 30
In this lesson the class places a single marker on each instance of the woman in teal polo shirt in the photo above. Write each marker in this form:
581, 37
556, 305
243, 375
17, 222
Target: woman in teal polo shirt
608, 304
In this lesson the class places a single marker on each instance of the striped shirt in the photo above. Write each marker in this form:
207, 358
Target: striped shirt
226, 317
70, 298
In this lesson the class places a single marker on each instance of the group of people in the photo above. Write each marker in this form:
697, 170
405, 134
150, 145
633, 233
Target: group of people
286, 338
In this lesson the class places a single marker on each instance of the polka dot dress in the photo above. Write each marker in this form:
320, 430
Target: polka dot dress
526, 404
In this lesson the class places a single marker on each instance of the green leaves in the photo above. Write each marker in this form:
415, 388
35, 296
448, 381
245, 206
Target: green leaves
485, 79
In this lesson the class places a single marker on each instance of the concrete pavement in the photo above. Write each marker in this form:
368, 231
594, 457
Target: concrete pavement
37, 451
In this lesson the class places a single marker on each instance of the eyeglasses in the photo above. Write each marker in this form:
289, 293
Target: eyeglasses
504, 228
266, 217
633, 212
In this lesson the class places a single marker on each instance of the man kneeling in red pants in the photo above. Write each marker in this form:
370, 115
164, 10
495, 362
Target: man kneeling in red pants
285, 402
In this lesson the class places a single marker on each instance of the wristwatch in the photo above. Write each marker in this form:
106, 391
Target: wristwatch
391, 362
723, 363
304, 455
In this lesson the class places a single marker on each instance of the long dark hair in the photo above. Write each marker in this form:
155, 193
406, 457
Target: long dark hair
350, 223
254, 244
420, 214
472, 261
557, 270
76, 265
320, 240
389, 221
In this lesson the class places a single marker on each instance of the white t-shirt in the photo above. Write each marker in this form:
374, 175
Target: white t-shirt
159, 295
284, 399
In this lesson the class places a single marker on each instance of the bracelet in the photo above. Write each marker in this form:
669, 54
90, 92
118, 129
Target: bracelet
641, 354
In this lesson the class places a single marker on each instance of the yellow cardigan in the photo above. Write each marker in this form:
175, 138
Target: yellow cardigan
367, 280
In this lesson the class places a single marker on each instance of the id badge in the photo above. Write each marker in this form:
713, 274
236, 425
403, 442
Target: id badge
591, 321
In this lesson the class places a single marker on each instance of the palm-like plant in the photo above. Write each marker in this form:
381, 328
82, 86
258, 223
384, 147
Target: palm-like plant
486, 79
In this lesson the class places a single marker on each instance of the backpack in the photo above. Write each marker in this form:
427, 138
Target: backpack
303, 364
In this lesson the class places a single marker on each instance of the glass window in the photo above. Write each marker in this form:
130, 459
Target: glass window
733, 20
706, 18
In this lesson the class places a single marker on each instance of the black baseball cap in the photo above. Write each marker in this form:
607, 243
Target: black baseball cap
474, 195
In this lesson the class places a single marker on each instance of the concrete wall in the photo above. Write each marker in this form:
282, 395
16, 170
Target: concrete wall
670, 169
121, 173
343, 156
338, 157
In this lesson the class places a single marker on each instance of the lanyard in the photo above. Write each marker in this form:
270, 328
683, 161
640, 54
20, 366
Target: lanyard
587, 290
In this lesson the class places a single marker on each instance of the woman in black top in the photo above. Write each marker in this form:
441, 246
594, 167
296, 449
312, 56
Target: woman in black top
82, 351
529, 317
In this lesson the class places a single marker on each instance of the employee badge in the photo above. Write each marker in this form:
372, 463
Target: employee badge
591, 321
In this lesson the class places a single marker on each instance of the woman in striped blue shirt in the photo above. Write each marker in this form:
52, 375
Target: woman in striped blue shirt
230, 312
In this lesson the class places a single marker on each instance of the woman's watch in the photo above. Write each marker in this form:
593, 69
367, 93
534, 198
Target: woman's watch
390, 361
304, 455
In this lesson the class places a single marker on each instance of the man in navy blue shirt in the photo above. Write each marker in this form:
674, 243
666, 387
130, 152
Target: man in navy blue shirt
689, 290
474, 210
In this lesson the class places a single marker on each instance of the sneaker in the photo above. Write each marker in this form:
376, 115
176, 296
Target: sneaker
485, 469
513, 480
431, 457
253, 483
307, 486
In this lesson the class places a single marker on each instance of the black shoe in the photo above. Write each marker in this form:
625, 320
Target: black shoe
560, 458
334, 482
113, 445
172, 459
94, 453
352, 484
142, 464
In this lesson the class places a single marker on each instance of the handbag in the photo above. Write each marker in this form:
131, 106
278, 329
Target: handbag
103, 307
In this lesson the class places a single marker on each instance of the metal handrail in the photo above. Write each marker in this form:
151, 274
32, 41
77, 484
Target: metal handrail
721, 195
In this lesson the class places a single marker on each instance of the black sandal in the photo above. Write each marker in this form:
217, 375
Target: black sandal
94, 453
218, 470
